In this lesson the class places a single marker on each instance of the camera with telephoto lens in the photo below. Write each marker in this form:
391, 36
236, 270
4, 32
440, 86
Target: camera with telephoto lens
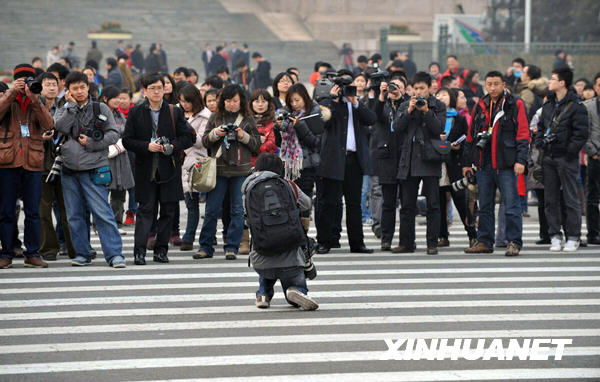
95, 131
54, 174
482, 139
470, 181
376, 79
34, 86
166, 144
421, 101
548, 139
230, 130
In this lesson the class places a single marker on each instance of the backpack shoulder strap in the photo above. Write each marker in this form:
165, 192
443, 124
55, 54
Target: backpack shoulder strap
172, 118
96, 108
294, 189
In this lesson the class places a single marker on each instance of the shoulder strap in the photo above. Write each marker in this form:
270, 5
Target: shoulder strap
558, 119
294, 189
96, 108
172, 118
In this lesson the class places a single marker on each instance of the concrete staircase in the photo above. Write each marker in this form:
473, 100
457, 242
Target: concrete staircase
30, 28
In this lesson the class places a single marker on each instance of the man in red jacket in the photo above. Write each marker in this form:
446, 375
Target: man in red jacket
498, 145
454, 70
23, 120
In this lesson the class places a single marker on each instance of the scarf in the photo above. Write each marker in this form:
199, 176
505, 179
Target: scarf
450, 114
291, 151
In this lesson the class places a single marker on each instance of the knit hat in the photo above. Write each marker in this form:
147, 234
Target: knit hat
23, 70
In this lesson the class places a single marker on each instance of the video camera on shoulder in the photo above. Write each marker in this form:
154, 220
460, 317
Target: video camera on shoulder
376, 79
324, 85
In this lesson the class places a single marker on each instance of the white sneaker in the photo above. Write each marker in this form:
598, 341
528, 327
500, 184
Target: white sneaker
301, 299
555, 244
571, 246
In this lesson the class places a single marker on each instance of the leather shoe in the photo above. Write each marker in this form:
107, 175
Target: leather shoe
545, 242
594, 240
161, 257
34, 262
403, 249
323, 249
5, 263
336, 244
361, 249
443, 242
432, 251
386, 247
139, 259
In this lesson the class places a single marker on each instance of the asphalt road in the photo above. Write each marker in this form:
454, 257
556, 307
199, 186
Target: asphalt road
195, 319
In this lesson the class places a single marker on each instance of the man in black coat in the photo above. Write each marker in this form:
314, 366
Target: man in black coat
562, 133
216, 62
421, 121
385, 152
157, 166
344, 161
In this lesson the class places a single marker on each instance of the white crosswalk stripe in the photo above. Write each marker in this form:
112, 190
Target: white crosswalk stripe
195, 320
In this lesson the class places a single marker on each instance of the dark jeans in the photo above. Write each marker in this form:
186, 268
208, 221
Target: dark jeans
174, 222
592, 196
388, 212
192, 203
306, 183
336, 233
461, 200
290, 277
376, 202
539, 193
410, 189
12, 180
487, 182
333, 190
560, 180
117, 203
50, 243
145, 217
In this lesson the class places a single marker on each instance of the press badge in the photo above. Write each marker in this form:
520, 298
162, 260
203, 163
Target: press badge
25, 131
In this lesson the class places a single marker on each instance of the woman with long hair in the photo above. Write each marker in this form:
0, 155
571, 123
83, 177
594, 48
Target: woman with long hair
281, 84
170, 93
231, 135
197, 115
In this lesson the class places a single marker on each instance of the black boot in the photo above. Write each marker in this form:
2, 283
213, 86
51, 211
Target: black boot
139, 256
160, 255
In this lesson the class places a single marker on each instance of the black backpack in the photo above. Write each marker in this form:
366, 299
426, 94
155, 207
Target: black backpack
273, 217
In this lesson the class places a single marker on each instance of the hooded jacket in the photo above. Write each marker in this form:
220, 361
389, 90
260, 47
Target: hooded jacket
528, 90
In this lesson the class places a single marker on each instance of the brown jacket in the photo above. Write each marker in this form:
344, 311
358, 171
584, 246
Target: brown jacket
16, 151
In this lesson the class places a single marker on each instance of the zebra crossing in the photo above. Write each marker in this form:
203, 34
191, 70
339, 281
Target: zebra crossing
195, 319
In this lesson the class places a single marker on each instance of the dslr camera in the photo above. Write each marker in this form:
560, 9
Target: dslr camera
95, 131
53, 176
34, 86
166, 144
283, 116
548, 139
482, 139
376, 79
230, 130
421, 101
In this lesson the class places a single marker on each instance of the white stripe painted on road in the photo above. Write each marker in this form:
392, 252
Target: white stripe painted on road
317, 294
279, 323
250, 284
419, 376
285, 339
250, 308
254, 359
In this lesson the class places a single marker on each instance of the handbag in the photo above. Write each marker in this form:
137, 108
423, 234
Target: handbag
203, 173
101, 176
436, 150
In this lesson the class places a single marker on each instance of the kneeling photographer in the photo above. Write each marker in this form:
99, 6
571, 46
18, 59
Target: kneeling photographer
156, 132
89, 128
232, 137
385, 151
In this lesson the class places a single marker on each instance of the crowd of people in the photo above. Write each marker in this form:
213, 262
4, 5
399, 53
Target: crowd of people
99, 152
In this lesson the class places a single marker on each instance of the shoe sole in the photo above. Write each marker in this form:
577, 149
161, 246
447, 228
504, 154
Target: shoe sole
76, 264
230, 257
119, 266
300, 299
555, 249
27, 265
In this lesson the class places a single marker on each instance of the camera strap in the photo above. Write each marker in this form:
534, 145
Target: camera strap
556, 121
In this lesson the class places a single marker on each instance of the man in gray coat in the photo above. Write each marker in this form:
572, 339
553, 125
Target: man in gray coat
89, 129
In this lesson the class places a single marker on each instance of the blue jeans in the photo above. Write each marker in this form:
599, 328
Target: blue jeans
192, 201
80, 192
487, 182
13, 180
214, 204
132, 205
290, 277
364, 194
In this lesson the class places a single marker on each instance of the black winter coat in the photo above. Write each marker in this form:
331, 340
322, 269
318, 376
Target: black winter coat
572, 130
416, 130
215, 63
383, 146
310, 140
455, 165
333, 145
137, 135
152, 63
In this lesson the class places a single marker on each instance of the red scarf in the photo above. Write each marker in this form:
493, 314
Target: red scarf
23, 104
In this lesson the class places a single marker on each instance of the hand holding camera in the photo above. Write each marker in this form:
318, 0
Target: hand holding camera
419, 103
165, 144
